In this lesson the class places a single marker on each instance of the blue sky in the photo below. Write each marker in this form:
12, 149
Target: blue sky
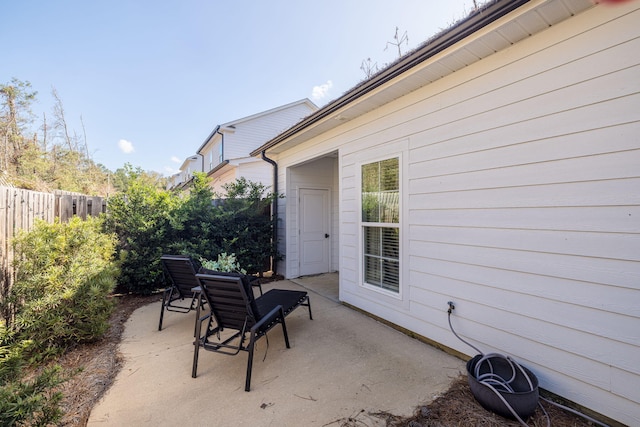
151, 79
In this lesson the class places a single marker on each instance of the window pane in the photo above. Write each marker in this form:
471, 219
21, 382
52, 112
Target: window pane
389, 174
390, 275
372, 270
389, 242
389, 207
370, 178
380, 191
370, 207
381, 257
372, 240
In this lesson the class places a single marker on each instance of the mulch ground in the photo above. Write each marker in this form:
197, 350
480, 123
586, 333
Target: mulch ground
92, 369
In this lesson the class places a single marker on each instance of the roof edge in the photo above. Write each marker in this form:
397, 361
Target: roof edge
477, 20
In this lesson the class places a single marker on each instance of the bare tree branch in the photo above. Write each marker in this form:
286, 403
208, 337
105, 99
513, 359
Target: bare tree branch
398, 41
61, 122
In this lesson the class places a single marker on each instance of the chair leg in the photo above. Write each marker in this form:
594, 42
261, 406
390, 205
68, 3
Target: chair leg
247, 383
164, 298
284, 329
198, 311
309, 307
196, 350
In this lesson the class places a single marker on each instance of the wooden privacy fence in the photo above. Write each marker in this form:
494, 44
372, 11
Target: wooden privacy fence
18, 211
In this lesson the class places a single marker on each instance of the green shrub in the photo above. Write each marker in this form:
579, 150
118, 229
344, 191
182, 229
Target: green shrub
244, 216
196, 230
151, 222
32, 402
141, 216
64, 276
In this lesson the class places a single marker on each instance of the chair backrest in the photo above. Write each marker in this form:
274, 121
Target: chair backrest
231, 303
182, 272
245, 279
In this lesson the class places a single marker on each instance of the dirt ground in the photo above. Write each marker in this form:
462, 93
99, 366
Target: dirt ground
93, 368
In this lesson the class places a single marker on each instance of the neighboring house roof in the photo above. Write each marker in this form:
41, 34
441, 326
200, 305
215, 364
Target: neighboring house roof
280, 119
414, 69
189, 161
232, 124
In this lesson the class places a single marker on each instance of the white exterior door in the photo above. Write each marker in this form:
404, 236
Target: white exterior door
314, 231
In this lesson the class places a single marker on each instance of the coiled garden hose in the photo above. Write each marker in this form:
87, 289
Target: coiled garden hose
498, 384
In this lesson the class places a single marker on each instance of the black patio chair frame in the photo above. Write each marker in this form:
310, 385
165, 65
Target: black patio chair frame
181, 272
232, 306
254, 281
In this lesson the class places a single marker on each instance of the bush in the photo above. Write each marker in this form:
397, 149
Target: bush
64, 275
245, 218
141, 216
151, 222
32, 402
196, 230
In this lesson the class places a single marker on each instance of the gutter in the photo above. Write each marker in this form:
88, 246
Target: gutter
218, 167
274, 204
463, 29
201, 158
221, 142
216, 130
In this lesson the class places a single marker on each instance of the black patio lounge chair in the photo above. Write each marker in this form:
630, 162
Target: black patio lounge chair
181, 271
233, 307
253, 280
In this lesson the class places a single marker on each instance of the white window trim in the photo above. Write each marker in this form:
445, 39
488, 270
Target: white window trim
399, 154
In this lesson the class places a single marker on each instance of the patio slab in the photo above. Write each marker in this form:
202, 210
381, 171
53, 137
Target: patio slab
341, 365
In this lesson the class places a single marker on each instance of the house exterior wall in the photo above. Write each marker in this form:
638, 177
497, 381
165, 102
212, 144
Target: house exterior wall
257, 171
319, 174
252, 133
220, 180
252, 169
520, 179
244, 135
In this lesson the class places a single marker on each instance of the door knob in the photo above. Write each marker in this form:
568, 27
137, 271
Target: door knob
326, 236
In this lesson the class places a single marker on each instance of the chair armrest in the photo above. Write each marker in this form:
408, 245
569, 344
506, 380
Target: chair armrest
276, 312
255, 282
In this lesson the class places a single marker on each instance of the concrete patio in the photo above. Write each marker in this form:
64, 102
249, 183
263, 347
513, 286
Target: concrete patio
341, 365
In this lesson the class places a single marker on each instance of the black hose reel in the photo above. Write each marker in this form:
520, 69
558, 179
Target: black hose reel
500, 384
503, 386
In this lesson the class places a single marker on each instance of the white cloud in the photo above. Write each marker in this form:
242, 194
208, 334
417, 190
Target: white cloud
321, 91
170, 170
125, 146
175, 159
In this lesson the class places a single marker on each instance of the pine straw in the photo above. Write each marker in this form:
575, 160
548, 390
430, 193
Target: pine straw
93, 368
458, 407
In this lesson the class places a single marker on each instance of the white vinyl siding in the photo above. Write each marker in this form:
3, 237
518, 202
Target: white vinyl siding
243, 136
252, 132
521, 203
524, 177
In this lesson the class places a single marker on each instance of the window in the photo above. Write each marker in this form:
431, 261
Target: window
380, 194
